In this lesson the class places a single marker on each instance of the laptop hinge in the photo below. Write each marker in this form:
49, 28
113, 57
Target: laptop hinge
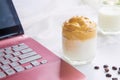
13, 39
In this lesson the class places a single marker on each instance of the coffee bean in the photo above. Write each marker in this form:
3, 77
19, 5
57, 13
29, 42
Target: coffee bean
119, 68
96, 67
119, 72
106, 70
114, 68
108, 75
114, 78
105, 66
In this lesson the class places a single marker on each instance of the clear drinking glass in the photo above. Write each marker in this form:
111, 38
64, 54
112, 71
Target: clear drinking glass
79, 40
109, 17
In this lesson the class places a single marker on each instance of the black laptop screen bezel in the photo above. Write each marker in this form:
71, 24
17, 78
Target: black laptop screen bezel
12, 30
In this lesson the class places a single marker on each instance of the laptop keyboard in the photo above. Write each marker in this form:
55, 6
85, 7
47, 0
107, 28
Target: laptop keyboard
18, 58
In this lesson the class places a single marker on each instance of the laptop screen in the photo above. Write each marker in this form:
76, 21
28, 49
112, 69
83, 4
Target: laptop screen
9, 21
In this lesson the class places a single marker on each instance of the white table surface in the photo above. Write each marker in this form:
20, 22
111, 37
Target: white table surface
43, 19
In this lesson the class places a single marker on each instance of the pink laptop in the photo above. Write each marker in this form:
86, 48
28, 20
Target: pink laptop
22, 58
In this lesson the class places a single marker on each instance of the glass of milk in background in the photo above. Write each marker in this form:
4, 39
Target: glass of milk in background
109, 17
